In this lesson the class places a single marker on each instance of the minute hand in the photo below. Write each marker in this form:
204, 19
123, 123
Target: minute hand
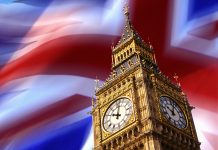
173, 109
118, 111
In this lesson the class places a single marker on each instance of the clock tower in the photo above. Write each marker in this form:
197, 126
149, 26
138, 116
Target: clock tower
138, 107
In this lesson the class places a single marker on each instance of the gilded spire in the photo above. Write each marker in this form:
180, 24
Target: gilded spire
126, 11
128, 31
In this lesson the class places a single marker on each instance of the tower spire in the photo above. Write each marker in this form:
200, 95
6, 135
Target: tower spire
128, 25
126, 11
128, 31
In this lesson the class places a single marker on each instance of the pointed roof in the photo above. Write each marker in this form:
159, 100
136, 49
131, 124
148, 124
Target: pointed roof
129, 31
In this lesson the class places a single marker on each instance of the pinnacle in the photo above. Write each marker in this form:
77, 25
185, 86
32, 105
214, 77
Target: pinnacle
129, 31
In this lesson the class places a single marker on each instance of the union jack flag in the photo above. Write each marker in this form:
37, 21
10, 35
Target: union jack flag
52, 50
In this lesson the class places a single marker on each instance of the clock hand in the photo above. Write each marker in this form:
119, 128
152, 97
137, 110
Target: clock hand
117, 115
172, 111
118, 111
169, 108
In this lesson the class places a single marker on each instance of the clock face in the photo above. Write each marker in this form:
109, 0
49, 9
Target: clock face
117, 115
173, 112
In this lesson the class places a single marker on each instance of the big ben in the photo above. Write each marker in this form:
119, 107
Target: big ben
138, 107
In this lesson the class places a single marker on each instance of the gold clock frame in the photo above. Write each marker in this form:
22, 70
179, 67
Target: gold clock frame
182, 109
103, 110
108, 106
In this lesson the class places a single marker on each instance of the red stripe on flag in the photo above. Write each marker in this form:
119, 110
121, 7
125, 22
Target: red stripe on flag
84, 55
152, 19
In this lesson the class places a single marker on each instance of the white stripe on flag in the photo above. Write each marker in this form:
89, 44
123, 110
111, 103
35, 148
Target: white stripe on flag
39, 91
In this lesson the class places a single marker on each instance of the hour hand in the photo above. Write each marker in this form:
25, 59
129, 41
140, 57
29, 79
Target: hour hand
172, 110
117, 115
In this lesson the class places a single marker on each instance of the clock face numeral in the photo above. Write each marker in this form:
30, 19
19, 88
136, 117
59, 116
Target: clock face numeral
173, 112
117, 115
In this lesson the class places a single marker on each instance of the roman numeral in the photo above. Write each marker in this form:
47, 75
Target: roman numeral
106, 121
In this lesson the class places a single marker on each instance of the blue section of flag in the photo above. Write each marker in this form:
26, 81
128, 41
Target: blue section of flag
35, 2
71, 137
6, 1
43, 3
14, 26
199, 8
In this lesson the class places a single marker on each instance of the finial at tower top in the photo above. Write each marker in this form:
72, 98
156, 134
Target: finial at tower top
126, 9
128, 31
